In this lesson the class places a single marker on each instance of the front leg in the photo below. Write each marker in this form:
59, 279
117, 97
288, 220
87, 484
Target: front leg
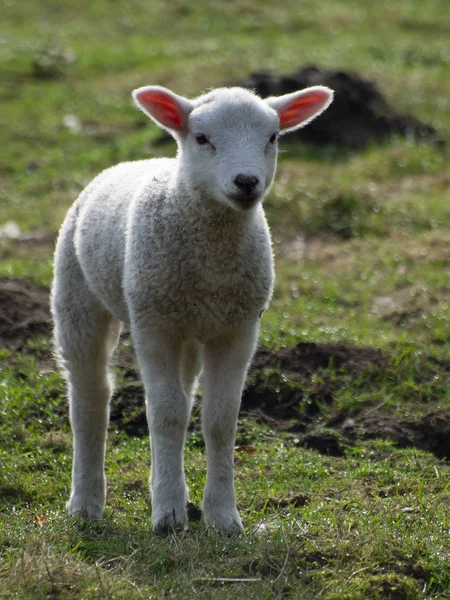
226, 359
168, 410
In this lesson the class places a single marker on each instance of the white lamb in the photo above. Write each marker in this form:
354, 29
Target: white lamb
178, 249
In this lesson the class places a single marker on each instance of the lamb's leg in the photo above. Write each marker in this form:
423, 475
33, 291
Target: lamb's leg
85, 338
226, 361
168, 410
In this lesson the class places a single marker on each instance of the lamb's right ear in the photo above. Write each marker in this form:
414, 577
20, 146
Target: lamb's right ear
163, 106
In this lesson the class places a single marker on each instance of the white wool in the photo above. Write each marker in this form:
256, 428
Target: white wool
180, 251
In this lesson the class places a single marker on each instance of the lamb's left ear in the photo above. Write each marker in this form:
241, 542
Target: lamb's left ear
167, 109
299, 108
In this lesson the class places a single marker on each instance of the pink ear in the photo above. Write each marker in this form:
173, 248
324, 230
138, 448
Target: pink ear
299, 108
162, 105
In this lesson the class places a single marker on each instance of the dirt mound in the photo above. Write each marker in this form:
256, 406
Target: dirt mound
24, 311
430, 432
275, 393
358, 114
306, 357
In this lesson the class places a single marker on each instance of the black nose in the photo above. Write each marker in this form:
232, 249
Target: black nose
246, 183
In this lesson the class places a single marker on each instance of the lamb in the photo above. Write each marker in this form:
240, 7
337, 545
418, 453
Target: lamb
179, 250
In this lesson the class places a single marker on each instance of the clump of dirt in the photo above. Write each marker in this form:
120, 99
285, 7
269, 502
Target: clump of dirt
358, 114
325, 442
24, 311
283, 393
275, 392
127, 409
295, 500
430, 432
194, 513
306, 357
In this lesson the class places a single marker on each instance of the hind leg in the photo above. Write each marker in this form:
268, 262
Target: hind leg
85, 338
85, 354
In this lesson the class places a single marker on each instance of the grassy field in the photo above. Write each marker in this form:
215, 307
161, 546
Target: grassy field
362, 244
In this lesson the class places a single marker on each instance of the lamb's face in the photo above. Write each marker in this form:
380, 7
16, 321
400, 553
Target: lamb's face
230, 149
228, 138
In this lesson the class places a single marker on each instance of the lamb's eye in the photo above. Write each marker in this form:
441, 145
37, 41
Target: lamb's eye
273, 138
201, 139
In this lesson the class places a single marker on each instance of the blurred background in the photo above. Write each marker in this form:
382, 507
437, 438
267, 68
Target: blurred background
68, 69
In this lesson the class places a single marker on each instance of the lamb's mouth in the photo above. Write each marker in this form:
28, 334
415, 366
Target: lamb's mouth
244, 201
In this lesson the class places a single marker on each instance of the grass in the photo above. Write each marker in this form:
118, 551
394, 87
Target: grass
361, 241
375, 521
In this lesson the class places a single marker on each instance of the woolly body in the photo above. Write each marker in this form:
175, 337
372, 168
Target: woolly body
179, 249
197, 272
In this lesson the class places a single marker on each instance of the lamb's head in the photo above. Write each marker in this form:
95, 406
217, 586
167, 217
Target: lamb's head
227, 138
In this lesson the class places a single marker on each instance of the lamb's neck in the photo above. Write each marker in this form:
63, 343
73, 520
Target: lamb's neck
210, 215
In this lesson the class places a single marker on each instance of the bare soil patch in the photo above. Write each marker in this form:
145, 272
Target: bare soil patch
275, 395
128, 408
358, 114
274, 376
430, 432
24, 312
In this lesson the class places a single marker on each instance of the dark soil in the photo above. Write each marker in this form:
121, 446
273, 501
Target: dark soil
430, 432
275, 394
24, 312
128, 409
358, 114
275, 390
325, 442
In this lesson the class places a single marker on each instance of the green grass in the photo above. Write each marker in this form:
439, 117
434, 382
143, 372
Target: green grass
375, 520
361, 241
